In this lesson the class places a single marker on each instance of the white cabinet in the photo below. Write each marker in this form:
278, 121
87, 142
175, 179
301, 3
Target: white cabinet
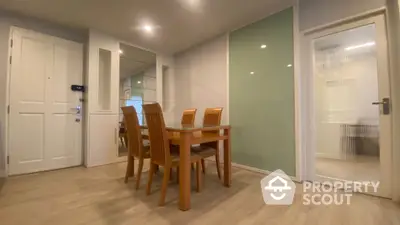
103, 140
103, 74
102, 100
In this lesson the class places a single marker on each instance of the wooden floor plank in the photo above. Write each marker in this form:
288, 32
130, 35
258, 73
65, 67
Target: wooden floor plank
98, 196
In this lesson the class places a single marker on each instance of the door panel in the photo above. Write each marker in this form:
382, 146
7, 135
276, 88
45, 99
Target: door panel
33, 55
66, 142
33, 145
352, 133
44, 133
29, 71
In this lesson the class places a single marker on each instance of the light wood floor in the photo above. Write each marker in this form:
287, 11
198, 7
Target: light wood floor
2, 180
98, 196
361, 168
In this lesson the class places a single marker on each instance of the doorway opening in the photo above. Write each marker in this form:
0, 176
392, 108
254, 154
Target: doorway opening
350, 104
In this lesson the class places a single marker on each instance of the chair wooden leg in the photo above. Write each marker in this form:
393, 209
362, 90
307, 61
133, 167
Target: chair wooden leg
199, 182
129, 168
126, 140
150, 181
171, 174
122, 141
203, 166
217, 164
164, 186
177, 175
139, 173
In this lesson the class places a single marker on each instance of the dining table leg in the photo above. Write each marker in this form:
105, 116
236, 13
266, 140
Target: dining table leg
227, 159
184, 171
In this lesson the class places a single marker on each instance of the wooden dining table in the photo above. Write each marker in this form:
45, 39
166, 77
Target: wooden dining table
187, 135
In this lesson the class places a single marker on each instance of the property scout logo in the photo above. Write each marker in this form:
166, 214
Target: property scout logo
278, 189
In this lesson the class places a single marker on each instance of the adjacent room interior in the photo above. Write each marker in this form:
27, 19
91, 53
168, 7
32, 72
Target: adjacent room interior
199, 112
347, 120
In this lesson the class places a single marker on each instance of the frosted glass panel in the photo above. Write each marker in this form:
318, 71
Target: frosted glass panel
347, 123
104, 79
261, 94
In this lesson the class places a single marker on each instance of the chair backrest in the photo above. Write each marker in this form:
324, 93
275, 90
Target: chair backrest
158, 135
212, 116
132, 127
188, 116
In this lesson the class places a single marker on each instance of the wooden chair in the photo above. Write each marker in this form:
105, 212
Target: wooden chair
160, 150
188, 116
135, 144
123, 137
212, 117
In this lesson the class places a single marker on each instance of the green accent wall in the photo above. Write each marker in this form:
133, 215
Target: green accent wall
261, 94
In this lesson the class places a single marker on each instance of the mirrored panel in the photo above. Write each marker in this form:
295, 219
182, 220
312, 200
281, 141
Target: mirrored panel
137, 85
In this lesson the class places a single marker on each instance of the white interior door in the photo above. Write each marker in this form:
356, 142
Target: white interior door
45, 125
351, 117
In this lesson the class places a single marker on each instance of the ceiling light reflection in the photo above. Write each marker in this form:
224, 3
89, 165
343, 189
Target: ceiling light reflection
368, 44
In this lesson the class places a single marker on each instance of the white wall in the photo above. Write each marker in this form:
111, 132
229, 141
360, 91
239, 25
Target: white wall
320, 12
6, 21
201, 78
166, 93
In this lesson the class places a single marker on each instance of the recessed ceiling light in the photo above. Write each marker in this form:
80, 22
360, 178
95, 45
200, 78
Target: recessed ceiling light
263, 46
147, 28
289, 65
251, 73
121, 52
139, 82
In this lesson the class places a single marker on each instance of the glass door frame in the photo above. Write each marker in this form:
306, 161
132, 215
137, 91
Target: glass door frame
385, 188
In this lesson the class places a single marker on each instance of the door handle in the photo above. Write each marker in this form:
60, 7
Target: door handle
385, 105
77, 108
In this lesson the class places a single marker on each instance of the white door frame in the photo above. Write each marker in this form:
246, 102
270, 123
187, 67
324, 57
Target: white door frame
306, 160
6, 126
8, 93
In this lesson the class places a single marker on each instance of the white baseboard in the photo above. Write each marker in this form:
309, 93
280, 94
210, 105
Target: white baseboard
328, 155
257, 170
103, 163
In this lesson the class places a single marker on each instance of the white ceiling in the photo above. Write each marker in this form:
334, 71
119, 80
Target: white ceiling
134, 60
180, 23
